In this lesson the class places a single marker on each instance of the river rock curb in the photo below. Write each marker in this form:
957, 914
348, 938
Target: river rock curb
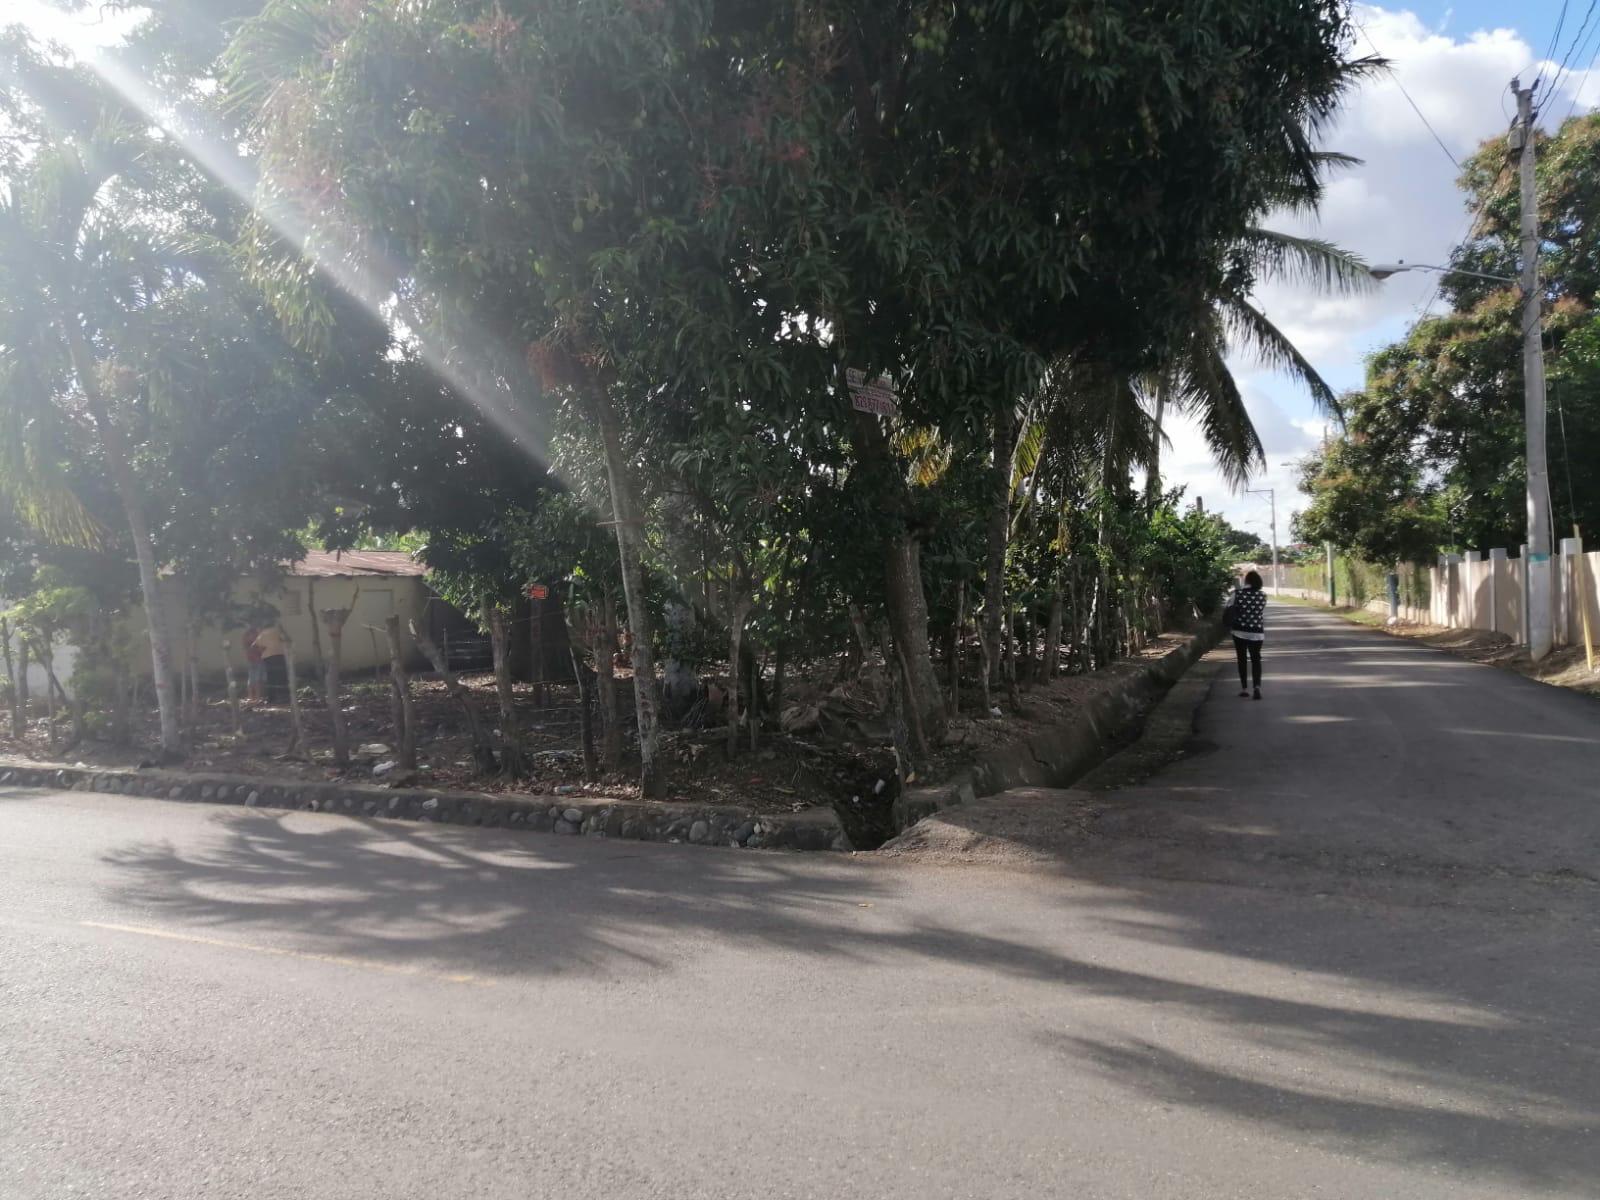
1060, 756
815, 829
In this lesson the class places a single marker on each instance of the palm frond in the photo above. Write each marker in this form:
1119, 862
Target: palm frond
1249, 328
1308, 260
1025, 460
1204, 388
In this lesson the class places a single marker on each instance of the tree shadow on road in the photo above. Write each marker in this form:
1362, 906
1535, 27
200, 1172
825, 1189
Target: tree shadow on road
1482, 1013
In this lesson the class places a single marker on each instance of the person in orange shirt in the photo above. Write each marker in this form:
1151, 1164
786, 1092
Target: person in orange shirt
272, 644
255, 670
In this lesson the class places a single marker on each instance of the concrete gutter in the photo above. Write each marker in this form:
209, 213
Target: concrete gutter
1059, 757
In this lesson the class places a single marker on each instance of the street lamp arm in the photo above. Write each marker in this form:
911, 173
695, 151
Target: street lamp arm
1384, 270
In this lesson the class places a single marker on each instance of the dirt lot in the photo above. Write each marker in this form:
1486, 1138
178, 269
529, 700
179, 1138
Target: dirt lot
846, 748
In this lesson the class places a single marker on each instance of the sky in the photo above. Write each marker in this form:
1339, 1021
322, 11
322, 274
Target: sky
1456, 61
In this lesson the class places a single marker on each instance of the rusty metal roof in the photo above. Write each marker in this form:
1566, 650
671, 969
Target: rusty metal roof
329, 564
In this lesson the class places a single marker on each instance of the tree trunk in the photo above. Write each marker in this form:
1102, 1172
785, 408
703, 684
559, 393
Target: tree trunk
46, 659
998, 531
401, 711
755, 703
13, 697
121, 472
858, 622
908, 620
117, 466
482, 747
24, 689
902, 577
513, 758
651, 780
122, 703
591, 770
605, 685
956, 628
1152, 483
297, 730
1010, 669
318, 658
1052, 631
738, 611
335, 619
233, 685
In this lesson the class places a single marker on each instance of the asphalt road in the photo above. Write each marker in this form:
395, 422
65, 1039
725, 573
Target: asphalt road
1348, 952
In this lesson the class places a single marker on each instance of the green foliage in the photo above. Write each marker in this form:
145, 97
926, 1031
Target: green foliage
1433, 454
1188, 557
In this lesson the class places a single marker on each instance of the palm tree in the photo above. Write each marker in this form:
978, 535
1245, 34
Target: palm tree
1195, 379
72, 266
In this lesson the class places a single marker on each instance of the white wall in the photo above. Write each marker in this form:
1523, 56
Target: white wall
405, 596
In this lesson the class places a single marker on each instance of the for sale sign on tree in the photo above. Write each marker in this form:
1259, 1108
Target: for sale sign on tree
871, 395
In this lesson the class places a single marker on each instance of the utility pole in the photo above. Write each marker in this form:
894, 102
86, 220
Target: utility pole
1540, 632
1272, 495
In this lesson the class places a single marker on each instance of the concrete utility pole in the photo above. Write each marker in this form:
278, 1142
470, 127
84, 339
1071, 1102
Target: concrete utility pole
1540, 632
1272, 495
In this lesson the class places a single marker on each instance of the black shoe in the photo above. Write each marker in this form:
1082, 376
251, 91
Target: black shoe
1257, 696
1243, 695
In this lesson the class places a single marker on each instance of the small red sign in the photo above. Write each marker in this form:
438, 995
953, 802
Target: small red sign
538, 591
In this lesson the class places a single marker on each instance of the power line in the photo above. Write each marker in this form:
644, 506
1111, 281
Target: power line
1420, 116
1578, 39
1555, 40
1578, 91
1472, 224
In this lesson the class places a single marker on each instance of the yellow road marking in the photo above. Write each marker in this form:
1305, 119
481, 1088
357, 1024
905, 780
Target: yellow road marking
335, 959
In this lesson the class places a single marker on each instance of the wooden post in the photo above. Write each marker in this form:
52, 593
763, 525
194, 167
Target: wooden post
482, 746
334, 619
24, 698
607, 698
297, 732
1583, 596
192, 670
233, 684
401, 710
541, 693
585, 716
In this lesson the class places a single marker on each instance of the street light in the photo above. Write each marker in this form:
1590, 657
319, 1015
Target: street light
1536, 566
1384, 270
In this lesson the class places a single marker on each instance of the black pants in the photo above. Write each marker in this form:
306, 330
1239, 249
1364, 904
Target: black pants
277, 679
1251, 651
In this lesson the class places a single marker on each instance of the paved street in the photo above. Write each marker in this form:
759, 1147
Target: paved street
1349, 950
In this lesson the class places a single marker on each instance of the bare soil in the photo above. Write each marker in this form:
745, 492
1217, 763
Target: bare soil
840, 742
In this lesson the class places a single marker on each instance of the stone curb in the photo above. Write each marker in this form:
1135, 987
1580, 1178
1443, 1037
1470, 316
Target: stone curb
1060, 756
815, 829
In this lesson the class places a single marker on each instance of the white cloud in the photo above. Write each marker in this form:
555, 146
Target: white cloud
1401, 202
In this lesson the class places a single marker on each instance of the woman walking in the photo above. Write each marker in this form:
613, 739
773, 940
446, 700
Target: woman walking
1247, 618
